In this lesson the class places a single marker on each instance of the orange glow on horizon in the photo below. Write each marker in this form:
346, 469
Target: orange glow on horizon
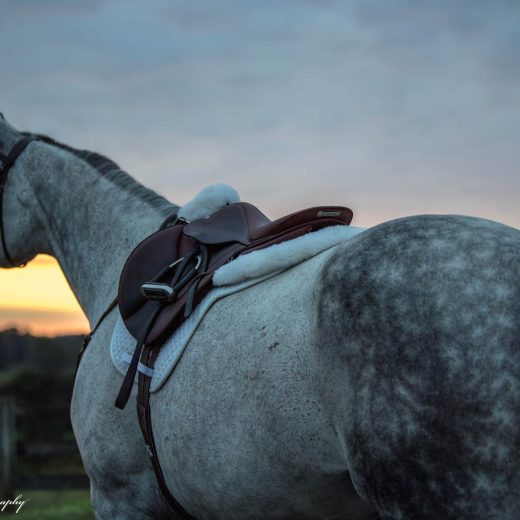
38, 299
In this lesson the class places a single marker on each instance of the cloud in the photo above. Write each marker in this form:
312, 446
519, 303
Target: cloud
390, 107
57, 7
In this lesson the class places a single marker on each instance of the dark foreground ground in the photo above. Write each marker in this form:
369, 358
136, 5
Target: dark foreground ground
36, 377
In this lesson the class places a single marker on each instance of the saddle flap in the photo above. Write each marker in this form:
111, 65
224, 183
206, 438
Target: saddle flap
143, 264
164, 248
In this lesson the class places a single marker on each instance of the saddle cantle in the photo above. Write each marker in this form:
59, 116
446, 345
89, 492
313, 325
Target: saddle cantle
171, 271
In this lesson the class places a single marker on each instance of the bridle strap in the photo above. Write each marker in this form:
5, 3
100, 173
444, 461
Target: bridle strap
8, 161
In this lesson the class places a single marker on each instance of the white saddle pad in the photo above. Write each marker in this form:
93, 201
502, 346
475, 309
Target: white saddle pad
246, 271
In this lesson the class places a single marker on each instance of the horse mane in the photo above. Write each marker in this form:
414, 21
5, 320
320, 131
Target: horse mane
111, 171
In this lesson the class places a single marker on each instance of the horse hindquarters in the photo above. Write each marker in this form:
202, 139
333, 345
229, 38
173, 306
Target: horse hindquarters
418, 333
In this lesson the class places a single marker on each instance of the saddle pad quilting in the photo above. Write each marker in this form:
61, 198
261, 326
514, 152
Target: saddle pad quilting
242, 273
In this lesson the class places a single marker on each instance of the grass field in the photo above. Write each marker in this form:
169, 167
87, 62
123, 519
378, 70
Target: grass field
52, 505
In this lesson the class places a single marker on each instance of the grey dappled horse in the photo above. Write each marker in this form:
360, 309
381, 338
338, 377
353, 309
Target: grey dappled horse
383, 375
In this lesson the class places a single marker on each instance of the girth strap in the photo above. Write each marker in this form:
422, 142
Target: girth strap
148, 357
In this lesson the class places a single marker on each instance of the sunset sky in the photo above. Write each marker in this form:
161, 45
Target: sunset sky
392, 108
38, 299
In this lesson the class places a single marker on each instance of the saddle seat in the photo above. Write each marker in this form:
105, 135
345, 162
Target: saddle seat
239, 222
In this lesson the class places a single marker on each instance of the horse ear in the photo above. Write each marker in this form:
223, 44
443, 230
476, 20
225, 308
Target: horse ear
2, 116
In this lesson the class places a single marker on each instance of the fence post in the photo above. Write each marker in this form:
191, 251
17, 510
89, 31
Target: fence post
7, 447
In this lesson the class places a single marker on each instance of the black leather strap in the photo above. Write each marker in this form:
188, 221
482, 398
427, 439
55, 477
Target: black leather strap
148, 357
8, 161
171, 220
128, 381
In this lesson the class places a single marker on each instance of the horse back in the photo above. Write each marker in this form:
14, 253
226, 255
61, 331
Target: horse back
420, 320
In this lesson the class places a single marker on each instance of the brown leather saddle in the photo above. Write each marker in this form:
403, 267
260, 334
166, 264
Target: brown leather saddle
171, 271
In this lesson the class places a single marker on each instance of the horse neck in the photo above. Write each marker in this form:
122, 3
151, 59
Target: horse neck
91, 223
